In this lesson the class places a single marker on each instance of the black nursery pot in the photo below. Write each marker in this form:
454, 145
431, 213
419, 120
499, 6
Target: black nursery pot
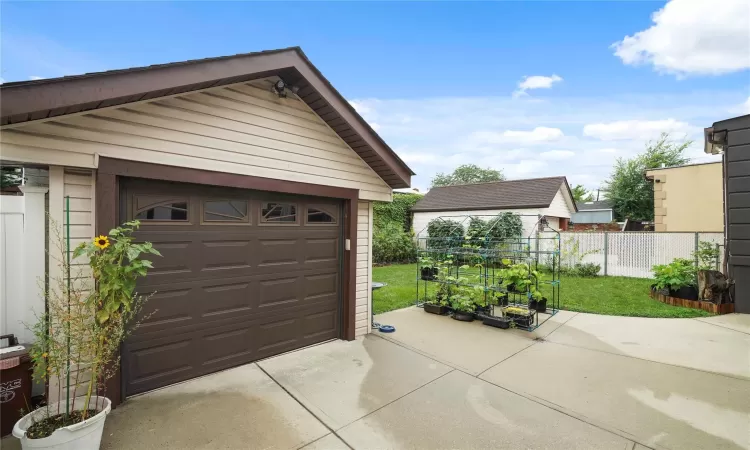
498, 322
541, 305
686, 292
435, 309
463, 316
429, 273
502, 300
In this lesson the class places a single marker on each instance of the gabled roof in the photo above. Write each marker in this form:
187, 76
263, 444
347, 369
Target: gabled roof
593, 206
512, 194
51, 97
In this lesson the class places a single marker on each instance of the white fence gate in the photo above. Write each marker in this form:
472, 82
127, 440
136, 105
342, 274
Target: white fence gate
630, 253
22, 260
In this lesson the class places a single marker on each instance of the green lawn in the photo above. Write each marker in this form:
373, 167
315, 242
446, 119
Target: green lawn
617, 296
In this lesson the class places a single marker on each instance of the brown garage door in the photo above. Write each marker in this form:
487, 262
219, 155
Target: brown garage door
244, 275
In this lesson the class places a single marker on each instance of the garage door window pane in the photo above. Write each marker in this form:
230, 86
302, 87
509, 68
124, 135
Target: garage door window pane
323, 216
225, 211
278, 213
170, 211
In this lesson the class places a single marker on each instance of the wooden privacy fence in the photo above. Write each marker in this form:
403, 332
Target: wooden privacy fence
631, 253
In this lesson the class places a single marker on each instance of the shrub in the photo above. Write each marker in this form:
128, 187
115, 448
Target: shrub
675, 275
445, 234
391, 244
505, 226
587, 270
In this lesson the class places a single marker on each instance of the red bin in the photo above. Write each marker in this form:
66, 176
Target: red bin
15, 383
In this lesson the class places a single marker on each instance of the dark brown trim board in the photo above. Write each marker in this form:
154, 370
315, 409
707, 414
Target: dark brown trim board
107, 217
52, 97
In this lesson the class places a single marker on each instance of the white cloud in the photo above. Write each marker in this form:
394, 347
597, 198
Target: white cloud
360, 107
557, 155
536, 82
35, 77
531, 138
636, 129
692, 37
538, 134
375, 126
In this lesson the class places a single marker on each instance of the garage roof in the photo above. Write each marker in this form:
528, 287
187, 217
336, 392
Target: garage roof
513, 194
51, 97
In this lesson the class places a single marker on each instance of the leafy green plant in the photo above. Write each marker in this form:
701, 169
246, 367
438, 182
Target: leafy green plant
586, 270
463, 301
707, 255
391, 244
520, 275
116, 264
675, 275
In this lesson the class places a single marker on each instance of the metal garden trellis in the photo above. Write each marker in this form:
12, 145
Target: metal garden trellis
476, 263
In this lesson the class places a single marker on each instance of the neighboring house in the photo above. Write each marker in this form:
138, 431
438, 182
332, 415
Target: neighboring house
732, 138
259, 196
688, 198
593, 212
530, 198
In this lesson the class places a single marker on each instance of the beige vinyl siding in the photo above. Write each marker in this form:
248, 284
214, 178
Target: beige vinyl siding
79, 185
364, 269
241, 128
561, 206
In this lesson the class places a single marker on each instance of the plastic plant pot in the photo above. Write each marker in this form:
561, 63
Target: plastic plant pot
463, 316
435, 309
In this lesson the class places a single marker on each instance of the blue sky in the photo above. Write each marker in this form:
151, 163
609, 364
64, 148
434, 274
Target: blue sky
443, 83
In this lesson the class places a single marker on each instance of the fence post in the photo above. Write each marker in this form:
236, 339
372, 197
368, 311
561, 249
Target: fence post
606, 251
695, 253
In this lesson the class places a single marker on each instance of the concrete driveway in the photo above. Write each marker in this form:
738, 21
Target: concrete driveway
580, 381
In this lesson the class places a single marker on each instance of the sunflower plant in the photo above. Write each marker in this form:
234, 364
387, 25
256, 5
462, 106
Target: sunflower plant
116, 264
78, 337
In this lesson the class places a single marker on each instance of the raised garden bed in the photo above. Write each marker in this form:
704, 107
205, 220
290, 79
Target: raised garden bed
724, 308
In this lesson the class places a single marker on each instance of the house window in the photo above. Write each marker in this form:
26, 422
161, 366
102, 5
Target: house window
320, 215
282, 213
226, 211
171, 210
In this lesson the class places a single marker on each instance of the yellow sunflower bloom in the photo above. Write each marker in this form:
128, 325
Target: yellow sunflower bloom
102, 242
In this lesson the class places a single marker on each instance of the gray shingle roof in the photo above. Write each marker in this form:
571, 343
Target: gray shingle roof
529, 193
587, 206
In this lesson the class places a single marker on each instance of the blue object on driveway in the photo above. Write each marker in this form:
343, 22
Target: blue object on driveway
381, 328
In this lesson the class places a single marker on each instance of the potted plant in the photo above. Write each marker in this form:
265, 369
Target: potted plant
463, 306
676, 279
516, 276
537, 302
522, 317
440, 303
81, 332
499, 322
501, 298
429, 269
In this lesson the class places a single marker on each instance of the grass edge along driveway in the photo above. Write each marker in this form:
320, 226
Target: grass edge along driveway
615, 296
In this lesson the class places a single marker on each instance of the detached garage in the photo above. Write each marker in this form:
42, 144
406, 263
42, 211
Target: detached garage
732, 138
251, 175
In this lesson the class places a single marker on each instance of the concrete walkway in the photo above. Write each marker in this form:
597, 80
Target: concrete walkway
580, 381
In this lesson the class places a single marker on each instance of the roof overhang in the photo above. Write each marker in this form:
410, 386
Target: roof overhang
41, 99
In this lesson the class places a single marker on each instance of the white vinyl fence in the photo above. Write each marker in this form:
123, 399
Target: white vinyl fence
629, 253
22, 255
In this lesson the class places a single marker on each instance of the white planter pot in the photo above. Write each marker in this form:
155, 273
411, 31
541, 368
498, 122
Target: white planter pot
86, 435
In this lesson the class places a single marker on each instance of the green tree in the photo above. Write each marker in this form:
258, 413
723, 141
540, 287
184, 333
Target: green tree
467, 174
10, 176
632, 196
580, 194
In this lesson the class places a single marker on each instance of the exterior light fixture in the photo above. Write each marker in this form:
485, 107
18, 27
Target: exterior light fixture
280, 87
